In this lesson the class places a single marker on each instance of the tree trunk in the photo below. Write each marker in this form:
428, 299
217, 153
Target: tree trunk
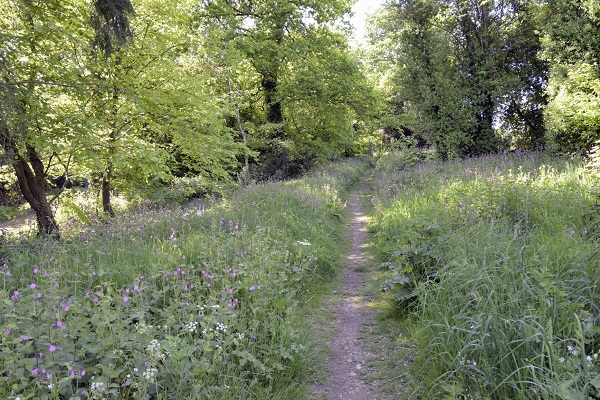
29, 184
269, 86
38, 167
106, 206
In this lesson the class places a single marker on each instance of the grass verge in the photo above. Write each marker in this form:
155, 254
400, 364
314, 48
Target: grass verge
494, 262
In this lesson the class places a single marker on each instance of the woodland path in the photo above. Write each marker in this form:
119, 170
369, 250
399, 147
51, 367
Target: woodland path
353, 318
19, 224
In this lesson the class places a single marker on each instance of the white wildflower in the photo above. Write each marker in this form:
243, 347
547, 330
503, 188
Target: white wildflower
97, 386
191, 326
150, 373
221, 327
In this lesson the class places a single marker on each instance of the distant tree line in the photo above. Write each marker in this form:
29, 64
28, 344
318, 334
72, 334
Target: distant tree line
472, 77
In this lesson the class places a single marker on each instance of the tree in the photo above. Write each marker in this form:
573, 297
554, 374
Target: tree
571, 30
460, 70
37, 57
279, 41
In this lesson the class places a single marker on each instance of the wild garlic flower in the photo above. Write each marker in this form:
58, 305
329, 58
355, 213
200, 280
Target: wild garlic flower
150, 373
191, 326
98, 386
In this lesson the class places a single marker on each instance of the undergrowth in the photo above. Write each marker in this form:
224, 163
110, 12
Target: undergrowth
175, 303
495, 260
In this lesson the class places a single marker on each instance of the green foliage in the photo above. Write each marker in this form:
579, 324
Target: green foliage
311, 90
181, 191
186, 303
570, 45
573, 118
464, 75
495, 260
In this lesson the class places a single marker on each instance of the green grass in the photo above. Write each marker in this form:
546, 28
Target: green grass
176, 303
495, 262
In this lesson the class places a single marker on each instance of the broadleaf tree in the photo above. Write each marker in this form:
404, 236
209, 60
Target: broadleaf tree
465, 74
283, 45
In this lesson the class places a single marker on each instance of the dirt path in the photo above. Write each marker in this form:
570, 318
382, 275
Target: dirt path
353, 316
19, 224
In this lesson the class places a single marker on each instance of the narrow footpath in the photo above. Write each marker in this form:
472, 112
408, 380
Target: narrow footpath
347, 366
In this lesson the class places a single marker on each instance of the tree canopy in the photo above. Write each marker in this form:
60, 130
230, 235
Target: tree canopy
133, 93
128, 92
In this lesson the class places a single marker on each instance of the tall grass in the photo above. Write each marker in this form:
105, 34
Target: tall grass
496, 260
180, 303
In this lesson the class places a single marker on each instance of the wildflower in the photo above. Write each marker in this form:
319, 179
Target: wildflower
7, 331
15, 295
52, 348
61, 325
97, 387
150, 373
589, 358
50, 386
33, 286
191, 326
48, 377
25, 338
38, 295
125, 299
34, 371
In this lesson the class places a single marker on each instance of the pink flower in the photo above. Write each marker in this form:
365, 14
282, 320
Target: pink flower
33, 286
52, 348
25, 338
